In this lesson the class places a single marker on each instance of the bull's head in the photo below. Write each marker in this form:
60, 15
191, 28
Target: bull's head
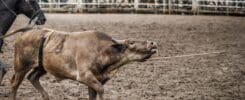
137, 50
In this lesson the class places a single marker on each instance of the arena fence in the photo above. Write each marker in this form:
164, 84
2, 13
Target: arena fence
234, 7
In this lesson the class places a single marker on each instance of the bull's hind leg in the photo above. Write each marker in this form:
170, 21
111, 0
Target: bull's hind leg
1, 44
2, 73
34, 77
16, 81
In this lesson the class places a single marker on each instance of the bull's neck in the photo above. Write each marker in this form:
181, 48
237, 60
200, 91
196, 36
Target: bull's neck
123, 59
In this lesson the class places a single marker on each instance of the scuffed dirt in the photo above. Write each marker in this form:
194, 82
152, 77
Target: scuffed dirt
206, 77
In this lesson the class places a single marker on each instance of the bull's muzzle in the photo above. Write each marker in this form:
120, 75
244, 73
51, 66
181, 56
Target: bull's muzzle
152, 46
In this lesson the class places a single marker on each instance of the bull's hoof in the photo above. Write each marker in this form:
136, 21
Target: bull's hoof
45, 97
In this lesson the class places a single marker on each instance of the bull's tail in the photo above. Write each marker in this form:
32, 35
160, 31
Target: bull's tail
40, 52
41, 46
16, 31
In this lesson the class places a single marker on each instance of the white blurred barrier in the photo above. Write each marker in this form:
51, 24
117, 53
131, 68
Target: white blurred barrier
157, 6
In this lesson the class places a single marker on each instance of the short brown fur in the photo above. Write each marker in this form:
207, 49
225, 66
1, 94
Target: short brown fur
90, 57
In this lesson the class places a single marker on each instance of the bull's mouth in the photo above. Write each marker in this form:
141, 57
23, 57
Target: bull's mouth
149, 54
153, 50
149, 51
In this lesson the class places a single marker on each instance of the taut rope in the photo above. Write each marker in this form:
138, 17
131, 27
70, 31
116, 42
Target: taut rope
191, 55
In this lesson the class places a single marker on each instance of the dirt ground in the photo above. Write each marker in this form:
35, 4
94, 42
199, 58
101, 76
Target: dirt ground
215, 76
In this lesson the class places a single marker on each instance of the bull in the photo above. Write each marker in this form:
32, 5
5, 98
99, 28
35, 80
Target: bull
89, 57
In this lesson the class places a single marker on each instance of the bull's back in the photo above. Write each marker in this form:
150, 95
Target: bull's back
91, 40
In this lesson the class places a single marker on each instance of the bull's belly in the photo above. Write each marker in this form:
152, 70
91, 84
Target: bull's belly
58, 67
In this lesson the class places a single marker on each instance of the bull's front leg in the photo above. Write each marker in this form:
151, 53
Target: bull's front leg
92, 93
95, 86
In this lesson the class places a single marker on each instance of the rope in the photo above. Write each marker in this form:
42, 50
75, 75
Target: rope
191, 55
16, 31
27, 27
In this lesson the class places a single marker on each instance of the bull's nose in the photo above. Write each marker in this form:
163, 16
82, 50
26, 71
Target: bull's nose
152, 45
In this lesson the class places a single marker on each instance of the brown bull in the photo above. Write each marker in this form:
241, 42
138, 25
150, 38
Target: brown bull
89, 57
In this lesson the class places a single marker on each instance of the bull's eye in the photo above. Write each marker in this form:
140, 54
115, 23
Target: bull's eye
131, 43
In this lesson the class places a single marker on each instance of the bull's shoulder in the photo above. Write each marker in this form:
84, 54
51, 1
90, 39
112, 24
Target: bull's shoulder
88, 34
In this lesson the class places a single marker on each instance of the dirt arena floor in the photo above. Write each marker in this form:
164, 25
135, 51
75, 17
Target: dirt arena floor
171, 75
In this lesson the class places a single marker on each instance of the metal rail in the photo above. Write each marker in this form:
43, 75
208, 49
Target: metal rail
159, 6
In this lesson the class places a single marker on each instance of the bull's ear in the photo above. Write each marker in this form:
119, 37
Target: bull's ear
119, 47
